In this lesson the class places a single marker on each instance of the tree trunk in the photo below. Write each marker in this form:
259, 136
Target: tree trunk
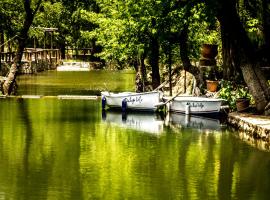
231, 69
63, 50
154, 61
254, 78
142, 70
183, 42
266, 29
255, 86
2, 41
11, 78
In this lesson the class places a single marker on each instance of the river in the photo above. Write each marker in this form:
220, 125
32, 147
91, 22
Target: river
69, 149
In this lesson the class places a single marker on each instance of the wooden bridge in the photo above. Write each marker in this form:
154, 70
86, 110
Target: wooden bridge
33, 60
33, 55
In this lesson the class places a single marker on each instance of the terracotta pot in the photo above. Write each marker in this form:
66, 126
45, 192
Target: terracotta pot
212, 85
242, 104
207, 62
209, 51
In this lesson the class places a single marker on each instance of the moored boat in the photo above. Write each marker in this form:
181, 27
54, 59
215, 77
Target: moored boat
194, 105
144, 101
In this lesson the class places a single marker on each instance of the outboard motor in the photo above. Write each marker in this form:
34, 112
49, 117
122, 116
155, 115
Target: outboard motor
104, 115
124, 105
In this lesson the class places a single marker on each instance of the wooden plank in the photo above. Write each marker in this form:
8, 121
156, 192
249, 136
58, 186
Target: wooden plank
77, 97
31, 96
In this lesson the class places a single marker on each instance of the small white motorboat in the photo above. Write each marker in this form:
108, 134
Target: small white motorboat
193, 105
144, 101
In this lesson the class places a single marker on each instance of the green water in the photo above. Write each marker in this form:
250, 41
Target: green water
69, 149
76, 83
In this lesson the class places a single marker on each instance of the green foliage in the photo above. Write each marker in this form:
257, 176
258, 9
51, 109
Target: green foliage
11, 16
250, 15
231, 91
122, 28
203, 29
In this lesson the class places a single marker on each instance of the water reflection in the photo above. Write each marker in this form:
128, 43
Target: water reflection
63, 149
75, 83
194, 122
140, 121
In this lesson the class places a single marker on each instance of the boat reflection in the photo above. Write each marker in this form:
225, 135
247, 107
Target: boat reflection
141, 121
193, 122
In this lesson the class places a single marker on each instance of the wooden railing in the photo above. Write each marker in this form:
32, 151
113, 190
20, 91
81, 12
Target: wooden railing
79, 53
34, 55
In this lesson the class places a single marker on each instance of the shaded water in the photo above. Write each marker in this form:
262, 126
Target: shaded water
76, 83
66, 149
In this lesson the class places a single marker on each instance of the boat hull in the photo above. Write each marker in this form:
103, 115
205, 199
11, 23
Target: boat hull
194, 105
135, 101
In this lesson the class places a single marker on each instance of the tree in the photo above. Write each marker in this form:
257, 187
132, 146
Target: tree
244, 49
22, 38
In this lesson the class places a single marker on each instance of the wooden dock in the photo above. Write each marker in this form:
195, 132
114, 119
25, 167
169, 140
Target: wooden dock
60, 97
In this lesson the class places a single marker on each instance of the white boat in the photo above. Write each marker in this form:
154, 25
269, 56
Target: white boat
194, 105
145, 122
134, 101
193, 122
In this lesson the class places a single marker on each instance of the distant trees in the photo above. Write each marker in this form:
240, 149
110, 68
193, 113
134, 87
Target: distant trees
147, 33
22, 18
66, 16
154, 27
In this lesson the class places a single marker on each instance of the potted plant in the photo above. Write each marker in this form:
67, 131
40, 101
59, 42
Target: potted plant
211, 80
242, 99
209, 48
209, 51
212, 85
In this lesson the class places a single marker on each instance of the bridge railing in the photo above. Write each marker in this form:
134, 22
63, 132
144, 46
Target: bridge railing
33, 55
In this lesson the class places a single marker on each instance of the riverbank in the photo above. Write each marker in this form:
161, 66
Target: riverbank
254, 129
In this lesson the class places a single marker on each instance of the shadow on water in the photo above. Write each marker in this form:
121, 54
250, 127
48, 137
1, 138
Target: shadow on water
52, 83
25, 182
35, 179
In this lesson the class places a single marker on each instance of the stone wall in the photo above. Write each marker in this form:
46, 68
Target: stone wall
4, 69
255, 126
29, 67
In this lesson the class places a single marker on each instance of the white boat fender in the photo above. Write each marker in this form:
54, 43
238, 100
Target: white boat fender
124, 105
103, 102
187, 109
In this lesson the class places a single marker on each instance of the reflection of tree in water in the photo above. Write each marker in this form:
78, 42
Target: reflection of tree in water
227, 161
64, 154
26, 186
51, 157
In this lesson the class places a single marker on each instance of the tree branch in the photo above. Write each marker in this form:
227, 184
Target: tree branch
38, 5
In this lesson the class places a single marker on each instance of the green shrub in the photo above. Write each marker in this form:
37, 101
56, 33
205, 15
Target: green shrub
231, 91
